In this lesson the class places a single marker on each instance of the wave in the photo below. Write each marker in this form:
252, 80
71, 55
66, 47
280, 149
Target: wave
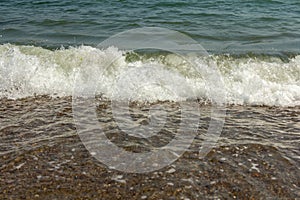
248, 80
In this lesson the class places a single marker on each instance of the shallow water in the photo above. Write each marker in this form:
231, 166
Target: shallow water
257, 155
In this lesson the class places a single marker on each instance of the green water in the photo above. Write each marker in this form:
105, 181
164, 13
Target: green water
267, 26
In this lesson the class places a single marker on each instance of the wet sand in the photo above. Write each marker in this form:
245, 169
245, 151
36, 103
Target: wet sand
42, 157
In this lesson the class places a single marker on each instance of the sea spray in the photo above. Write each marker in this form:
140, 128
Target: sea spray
252, 80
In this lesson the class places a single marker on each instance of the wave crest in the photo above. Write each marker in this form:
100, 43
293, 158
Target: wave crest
27, 71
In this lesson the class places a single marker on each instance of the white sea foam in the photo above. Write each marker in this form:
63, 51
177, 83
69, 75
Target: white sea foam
27, 71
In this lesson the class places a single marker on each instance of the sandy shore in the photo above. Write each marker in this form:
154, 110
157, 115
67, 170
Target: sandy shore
42, 157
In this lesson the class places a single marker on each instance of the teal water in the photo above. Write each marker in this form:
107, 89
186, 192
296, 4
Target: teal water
266, 26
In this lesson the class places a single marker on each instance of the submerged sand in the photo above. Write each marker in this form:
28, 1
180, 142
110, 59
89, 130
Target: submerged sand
42, 157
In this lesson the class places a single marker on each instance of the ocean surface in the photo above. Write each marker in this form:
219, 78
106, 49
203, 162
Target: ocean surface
220, 26
49, 52
255, 43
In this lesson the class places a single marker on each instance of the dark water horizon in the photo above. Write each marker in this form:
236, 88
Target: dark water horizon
266, 26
